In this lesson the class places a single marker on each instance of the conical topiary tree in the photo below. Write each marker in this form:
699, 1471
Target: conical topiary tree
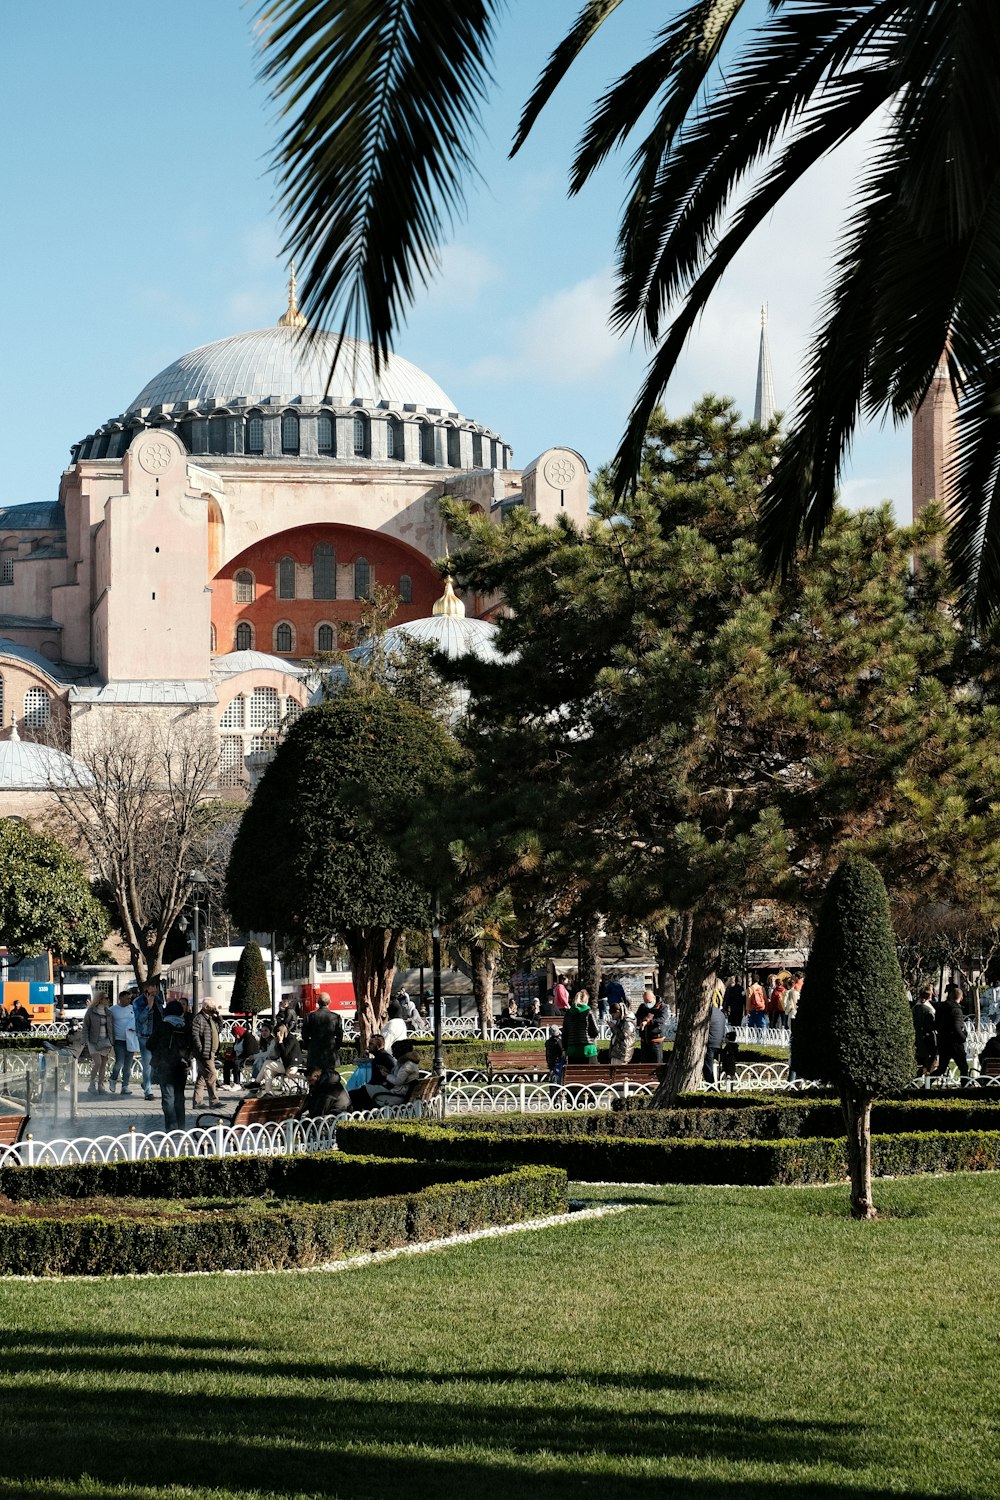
251, 987
853, 1028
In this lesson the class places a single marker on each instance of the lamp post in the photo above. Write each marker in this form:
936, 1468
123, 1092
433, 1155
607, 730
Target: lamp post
197, 881
438, 1066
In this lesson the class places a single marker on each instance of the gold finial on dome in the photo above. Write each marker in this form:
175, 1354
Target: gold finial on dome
449, 602
291, 317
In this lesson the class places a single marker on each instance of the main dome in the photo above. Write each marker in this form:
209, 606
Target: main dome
282, 362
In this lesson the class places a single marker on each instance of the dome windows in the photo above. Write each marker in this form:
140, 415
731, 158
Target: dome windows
217, 434
289, 432
427, 443
454, 447
394, 439
326, 435
254, 434
362, 436
477, 450
324, 571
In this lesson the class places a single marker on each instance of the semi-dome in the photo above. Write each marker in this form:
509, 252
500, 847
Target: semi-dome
285, 362
25, 766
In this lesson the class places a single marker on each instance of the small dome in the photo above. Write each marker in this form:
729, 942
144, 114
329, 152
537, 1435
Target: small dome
452, 635
26, 767
284, 362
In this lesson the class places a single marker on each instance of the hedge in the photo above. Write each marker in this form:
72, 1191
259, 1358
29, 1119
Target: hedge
326, 1175
751, 1163
776, 1120
263, 1237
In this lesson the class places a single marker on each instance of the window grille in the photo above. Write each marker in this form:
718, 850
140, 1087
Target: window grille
255, 435
244, 587
283, 638
244, 636
265, 709
325, 438
233, 714
231, 768
37, 708
286, 578
289, 433
362, 579
324, 571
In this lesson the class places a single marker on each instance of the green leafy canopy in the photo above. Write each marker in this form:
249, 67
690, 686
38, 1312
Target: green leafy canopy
45, 897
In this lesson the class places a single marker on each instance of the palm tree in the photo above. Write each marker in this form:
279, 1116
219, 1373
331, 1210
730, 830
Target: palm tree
383, 99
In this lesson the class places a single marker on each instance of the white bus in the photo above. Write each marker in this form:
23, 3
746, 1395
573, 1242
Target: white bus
217, 973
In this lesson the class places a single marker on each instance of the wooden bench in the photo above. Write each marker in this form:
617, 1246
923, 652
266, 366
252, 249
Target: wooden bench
600, 1073
12, 1128
265, 1109
517, 1062
989, 1067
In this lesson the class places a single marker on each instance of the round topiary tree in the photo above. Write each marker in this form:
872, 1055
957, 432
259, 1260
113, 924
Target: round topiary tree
853, 1028
251, 987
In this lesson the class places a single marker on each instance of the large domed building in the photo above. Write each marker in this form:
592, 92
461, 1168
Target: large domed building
211, 540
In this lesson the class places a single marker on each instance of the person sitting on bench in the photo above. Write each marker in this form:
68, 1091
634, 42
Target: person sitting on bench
397, 1085
327, 1095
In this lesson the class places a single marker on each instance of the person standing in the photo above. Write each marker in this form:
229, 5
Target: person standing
97, 1040
147, 1005
925, 1030
560, 995
205, 1039
951, 1033
718, 1025
124, 1040
734, 1001
776, 1006
756, 1006
171, 1047
622, 1033
323, 1035
394, 1029
579, 1030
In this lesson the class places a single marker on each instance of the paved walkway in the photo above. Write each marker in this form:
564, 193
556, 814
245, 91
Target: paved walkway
111, 1114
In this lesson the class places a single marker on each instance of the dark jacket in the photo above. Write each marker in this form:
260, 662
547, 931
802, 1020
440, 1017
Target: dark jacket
170, 1047
925, 1029
734, 1003
327, 1096
323, 1034
205, 1035
718, 1025
579, 1027
289, 1052
950, 1024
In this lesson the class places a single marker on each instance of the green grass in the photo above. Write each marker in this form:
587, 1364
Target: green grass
615, 1357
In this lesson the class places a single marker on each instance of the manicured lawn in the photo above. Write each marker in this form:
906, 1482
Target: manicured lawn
711, 1342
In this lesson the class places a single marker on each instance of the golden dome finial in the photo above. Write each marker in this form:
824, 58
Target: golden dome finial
449, 602
291, 317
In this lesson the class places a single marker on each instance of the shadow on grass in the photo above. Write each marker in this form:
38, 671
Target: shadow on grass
332, 1441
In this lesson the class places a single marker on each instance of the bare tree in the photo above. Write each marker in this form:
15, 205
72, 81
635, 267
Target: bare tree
134, 800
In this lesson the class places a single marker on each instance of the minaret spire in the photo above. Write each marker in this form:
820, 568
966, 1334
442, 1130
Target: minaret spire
291, 317
763, 407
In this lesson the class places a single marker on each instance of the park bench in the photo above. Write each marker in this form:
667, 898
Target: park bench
989, 1067
517, 1062
12, 1128
265, 1109
601, 1073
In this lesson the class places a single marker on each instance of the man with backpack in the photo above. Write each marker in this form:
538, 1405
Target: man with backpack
171, 1047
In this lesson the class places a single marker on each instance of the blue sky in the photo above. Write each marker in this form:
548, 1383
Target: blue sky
139, 223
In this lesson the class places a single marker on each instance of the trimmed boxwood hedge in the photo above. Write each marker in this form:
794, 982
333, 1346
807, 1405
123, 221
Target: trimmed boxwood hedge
776, 1120
753, 1163
266, 1237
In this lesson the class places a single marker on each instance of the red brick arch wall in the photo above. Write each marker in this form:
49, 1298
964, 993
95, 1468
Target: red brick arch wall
389, 560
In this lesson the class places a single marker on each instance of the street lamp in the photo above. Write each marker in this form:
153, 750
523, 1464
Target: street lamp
438, 1066
197, 883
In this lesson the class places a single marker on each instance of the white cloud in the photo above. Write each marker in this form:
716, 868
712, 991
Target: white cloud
463, 273
563, 340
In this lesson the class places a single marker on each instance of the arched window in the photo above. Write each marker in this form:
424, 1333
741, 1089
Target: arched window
254, 440
405, 589
244, 587
265, 709
289, 432
212, 646
426, 443
325, 433
244, 636
37, 708
233, 713
362, 578
477, 450
394, 438
284, 638
324, 571
217, 434
362, 443
293, 710
286, 578
454, 447
326, 638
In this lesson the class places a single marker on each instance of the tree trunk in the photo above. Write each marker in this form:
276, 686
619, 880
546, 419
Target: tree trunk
672, 944
590, 968
484, 967
858, 1118
372, 952
693, 1007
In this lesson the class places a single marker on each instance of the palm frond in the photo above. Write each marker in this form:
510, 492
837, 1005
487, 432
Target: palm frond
381, 100
973, 500
588, 22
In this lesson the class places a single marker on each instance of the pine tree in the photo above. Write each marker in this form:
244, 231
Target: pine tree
853, 1028
251, 988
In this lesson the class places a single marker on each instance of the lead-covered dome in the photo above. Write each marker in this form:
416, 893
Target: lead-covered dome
286, 363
